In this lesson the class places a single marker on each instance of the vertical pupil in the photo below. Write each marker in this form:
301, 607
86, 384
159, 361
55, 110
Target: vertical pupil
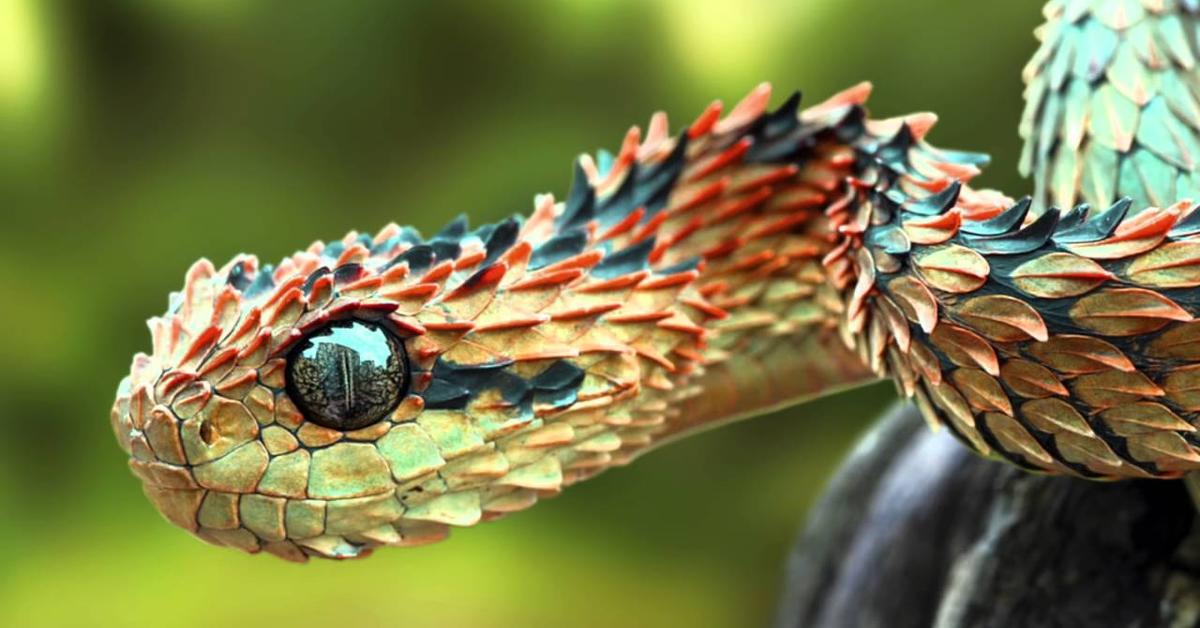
347, 375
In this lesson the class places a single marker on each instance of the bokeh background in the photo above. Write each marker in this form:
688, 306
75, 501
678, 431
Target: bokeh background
138, 135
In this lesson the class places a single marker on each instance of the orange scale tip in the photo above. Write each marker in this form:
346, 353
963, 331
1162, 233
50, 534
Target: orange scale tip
729, 156
854, 95
626, 224
393, 274
543, 279
416, 291
305, 264
469, 260
742, 205
375, 308
482, 281
363, 285
1153, 221
655, 357
451, 326
660, 251
689, 354
426, 354
774, 176
540, 223
640, 317
855, 228
733, 302
342, 308
200, 270
934, 229
982, 204
920, 123
285, 270
821, 177
584, 312
219, 360
704, 195
201, 345
750, 108
229, 298
669, 281
321, 290
704, 123
771, 266
526, 320
256, 344
1185, 207
283, 290
837, 210
616, 283
350, 238
598, 346
713, 288
786, 223
753, 261
650, 228
386, 233
625, 158
171, 383
584, 260
962, 172
705, 307
439, 272
723, 249
353, 253
797, 198
292, 298
407, 325
933, 186
518, 254
836, 254
681, 326
657, 132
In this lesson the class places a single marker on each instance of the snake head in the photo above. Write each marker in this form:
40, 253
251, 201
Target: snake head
330, 404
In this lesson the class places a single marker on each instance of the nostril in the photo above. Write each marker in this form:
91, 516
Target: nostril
208, 433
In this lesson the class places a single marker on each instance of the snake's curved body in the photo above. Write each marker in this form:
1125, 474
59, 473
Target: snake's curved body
751, 261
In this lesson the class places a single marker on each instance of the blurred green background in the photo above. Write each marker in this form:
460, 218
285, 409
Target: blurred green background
138, 135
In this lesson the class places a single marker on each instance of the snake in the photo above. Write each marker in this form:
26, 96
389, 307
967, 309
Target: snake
382, 388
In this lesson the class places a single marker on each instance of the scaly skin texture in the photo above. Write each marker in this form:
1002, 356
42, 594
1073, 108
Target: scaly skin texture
754, 260
1112, 103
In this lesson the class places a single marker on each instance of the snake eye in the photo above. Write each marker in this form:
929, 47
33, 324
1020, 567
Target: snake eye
347, 375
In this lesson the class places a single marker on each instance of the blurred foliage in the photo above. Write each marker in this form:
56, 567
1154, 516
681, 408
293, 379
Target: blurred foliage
142, 134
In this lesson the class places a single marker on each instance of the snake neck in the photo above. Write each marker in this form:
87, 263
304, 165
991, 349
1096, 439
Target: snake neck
773, 208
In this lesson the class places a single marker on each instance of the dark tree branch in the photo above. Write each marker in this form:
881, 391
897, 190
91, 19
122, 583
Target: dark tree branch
916, 531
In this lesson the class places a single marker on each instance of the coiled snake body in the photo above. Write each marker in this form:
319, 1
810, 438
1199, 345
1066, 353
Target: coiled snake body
378, 389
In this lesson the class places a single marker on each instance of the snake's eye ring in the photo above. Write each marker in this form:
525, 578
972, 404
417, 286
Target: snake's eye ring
347, 375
